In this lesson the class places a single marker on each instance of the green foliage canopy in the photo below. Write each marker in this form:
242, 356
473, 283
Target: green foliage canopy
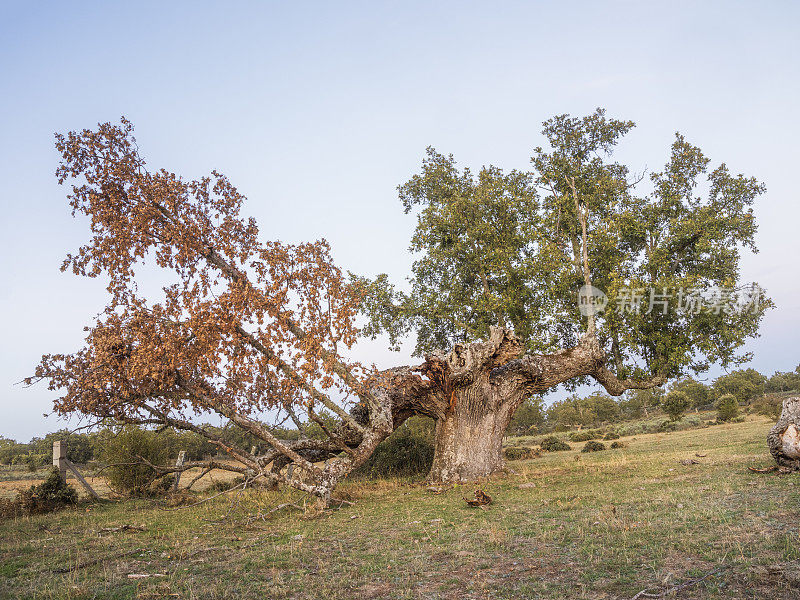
675, 404
699, 394
784, 382
744, 384
505, 248
727, 407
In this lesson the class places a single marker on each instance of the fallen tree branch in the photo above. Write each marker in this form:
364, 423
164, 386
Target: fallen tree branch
121, 528
767, 470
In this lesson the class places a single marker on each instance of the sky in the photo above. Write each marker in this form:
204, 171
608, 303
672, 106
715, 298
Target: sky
317, 111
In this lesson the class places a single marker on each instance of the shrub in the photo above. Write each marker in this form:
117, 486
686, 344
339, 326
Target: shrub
9, 509
553, 444
52, 490
615, 445
675, 404
407, 452
593, 446
122, 449
520, 453
769, 405
727, 408
611, 435
585, 435
659, 425
195, 445
53, 493
667, 426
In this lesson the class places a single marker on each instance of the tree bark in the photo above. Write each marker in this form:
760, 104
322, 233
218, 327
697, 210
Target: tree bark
469, 437
784, 438
473, 390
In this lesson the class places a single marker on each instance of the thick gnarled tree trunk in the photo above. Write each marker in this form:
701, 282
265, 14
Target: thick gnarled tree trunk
469, 437
473, 390
784, 437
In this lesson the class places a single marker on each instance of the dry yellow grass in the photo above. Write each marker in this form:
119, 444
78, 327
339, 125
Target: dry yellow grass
605, 526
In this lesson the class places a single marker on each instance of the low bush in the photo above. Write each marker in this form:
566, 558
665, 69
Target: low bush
224, 486
675, 404
520, 453
769, 405
53, 493
406, 453
668, 426
122, 450
615, 445
727, 408
657, 424
585, 435
593, 446
553, 444
611, 435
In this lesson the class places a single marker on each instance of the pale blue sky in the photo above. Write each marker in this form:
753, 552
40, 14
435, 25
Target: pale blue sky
318, 110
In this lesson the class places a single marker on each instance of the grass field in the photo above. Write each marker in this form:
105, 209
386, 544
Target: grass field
606, 525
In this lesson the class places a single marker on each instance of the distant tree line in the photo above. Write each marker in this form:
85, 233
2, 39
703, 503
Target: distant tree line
99, 445
744, 389
729, 394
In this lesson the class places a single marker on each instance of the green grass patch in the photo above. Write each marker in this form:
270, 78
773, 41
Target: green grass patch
604, 526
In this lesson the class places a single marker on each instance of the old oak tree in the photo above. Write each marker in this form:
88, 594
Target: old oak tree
258, 331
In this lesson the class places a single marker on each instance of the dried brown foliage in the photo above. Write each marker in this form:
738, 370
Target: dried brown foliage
242, 327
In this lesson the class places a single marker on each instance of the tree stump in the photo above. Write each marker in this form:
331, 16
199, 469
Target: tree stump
784, 437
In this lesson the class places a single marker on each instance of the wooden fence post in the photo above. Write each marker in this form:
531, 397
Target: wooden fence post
61, 461
178, 463
80, 479
60, 458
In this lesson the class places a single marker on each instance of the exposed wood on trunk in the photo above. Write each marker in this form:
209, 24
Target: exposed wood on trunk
473, 390
784, 438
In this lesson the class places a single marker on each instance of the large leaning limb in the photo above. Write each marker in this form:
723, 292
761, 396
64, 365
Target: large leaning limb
537, 373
